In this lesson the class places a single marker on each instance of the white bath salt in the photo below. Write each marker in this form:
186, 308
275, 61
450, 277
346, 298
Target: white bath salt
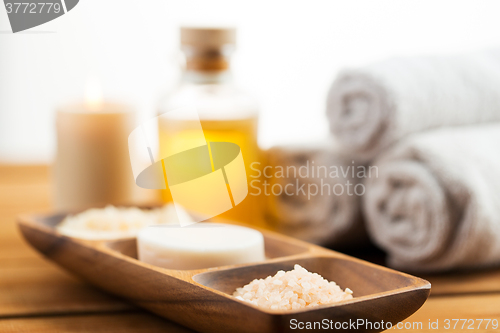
116, 222
292, 290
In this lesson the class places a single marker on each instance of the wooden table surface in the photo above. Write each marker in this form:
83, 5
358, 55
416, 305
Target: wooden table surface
38, 296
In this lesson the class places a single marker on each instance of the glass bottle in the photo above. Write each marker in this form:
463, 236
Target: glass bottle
226, 113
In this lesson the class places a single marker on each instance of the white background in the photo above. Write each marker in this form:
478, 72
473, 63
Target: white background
288, 54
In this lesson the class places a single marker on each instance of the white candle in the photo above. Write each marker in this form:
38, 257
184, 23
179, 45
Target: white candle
92, 165
200, 245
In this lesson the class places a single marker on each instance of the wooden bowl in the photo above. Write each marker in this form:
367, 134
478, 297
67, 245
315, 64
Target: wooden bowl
201, 299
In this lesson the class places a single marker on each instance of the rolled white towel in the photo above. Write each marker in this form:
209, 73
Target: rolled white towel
436, 203
373, 107
321, 203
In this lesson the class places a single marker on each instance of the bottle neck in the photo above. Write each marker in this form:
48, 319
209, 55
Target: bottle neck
207, 77
207, 65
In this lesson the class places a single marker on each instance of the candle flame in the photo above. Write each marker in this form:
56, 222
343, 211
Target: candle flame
93, 93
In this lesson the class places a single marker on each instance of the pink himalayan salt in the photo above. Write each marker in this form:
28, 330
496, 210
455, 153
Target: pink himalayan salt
292, 290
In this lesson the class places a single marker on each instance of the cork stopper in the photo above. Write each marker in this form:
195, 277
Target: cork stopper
207, 38
205, 47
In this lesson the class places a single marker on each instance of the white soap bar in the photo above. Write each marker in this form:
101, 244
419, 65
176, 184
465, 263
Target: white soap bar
201, 245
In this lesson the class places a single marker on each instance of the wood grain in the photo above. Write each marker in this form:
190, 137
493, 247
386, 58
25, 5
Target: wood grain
27, 189
453, 307
29, 284
472, 282
41, 289
202, 299
95, 323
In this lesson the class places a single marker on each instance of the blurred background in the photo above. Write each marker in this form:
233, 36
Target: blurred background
288, 54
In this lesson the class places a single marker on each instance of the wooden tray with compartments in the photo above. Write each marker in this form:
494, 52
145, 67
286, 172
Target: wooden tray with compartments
201, 299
